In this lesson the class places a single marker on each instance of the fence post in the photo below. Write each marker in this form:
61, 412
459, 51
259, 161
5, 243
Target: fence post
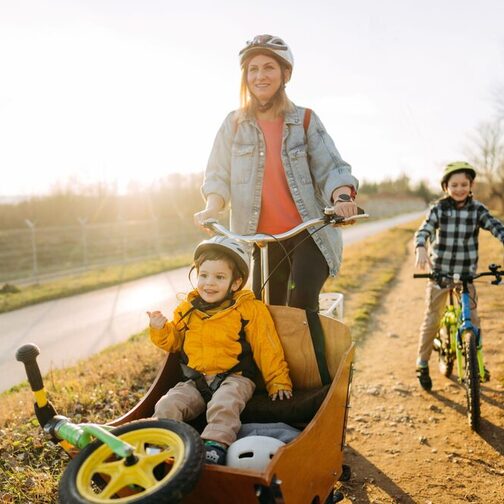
157, 239
82, 222
124, 240
31, 225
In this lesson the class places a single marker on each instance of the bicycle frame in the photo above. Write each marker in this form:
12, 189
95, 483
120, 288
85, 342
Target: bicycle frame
463, 312
464, 323
465, 343
68, 434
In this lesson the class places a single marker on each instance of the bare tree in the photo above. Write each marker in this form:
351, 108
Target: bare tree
499, 101
488, 157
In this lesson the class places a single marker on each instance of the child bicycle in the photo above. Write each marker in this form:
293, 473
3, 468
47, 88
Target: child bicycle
147, 460
459, 341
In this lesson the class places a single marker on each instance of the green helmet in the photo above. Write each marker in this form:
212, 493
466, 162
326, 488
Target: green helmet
455, 167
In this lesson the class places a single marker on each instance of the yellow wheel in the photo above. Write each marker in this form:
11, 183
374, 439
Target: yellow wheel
165, 466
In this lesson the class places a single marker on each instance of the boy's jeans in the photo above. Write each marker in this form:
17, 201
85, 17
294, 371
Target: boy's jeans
435, 302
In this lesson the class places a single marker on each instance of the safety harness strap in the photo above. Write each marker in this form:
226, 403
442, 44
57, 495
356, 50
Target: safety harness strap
245, 364
317, 336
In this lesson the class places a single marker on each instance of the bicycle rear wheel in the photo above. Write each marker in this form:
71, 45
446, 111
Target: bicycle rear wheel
472, 380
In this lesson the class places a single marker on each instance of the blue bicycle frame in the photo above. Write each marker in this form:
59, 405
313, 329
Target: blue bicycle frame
465, 324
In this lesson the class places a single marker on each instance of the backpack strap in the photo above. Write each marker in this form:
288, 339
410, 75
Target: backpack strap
306, 120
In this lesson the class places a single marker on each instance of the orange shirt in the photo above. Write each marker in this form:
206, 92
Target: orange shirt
278, 210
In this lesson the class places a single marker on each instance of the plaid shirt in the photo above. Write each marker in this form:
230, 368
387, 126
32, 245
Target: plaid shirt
453, 234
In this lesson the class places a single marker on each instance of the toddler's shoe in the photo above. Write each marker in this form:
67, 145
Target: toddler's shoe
424, 378
215, 453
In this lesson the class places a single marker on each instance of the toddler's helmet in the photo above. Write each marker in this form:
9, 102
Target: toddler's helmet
238, 251
252, 452
455, 167
267, 44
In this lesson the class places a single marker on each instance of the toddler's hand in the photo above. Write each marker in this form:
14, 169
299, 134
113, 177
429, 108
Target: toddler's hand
422, 258
157, 319
281, 394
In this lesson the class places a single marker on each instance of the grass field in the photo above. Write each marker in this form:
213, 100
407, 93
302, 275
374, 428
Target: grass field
103, 387
88, 281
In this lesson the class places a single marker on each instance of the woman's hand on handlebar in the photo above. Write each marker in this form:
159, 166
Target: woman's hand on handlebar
345, 208
343, 202
204, 215
214, 205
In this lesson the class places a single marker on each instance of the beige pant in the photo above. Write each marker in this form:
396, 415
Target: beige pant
184, 402
435, 302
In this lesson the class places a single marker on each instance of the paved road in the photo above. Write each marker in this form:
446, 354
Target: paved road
73, 328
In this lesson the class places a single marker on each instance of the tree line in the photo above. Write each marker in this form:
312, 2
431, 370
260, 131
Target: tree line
176, 197
486, 152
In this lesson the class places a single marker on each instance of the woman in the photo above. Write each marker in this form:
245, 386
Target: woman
278, 167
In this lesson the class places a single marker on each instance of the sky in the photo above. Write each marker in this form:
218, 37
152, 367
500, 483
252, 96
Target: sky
129, 91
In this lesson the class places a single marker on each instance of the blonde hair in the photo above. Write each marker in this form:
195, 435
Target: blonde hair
249, 104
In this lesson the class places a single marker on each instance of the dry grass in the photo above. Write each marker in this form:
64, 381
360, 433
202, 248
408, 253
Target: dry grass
98, 389
368, 269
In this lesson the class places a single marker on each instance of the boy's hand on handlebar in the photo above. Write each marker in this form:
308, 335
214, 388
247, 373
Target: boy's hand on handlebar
281, 395
422, 258
157, 319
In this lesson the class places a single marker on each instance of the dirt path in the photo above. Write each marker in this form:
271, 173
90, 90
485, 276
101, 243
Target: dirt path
406, 445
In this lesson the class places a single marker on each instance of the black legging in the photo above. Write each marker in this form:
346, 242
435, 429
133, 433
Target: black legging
300, 285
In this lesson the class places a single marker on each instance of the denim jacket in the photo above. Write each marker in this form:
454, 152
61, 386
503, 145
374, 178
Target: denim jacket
313, 168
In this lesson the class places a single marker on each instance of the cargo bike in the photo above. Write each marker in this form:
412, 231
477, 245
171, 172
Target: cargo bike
138, 459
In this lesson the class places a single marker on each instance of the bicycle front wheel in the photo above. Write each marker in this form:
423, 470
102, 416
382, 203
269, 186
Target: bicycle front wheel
472, 380
167, 462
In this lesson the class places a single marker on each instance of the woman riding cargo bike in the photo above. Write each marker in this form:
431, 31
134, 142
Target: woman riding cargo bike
275, 165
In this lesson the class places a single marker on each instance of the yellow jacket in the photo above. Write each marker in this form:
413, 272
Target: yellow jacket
211, 343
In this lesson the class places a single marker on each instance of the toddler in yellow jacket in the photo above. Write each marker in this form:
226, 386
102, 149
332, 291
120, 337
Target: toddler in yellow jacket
223, 334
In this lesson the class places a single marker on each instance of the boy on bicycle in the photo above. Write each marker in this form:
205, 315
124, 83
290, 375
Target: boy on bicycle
223, 334
452, 226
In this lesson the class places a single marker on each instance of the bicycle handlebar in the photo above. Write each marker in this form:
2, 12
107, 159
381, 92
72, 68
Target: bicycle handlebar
27, 354
467, 277
328, 218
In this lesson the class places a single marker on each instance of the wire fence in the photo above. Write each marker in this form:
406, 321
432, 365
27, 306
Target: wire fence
34, 254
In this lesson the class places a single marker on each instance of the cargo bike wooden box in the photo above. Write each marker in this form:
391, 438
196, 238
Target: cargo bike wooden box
135, 459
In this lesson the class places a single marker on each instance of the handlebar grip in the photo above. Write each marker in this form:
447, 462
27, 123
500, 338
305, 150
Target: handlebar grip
421, 275
27, 354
